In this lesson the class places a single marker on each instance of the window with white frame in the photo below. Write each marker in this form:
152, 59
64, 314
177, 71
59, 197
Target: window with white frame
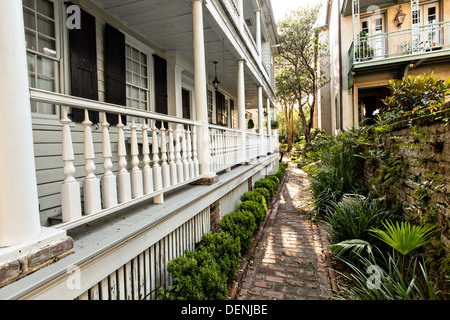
41, 34
137, 78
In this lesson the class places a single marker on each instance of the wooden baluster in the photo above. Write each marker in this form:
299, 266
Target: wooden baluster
172, 165
147, 170
212, 150
221, 150
189, 153
194, 151
108, 183
157, 176
136, 173
179, 164
92, 198
123, 175
164, 165
70, 188
184, 147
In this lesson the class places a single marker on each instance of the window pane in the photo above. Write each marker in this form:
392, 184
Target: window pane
46, 68
28, 3
46, 26
47, 46
29, 20
30, 39
46, 8
30, 63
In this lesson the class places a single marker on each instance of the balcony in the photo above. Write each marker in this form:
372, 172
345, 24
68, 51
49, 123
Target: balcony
432, 40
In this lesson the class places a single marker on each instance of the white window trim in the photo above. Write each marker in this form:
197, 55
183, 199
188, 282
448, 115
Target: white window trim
61, 34
129, 40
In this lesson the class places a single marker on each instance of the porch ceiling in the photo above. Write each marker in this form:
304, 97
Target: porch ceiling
365, 4
168, 26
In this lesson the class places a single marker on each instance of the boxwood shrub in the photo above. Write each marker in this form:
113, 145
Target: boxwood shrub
254, 196
267, 184
264, 192
254, 207
240, 224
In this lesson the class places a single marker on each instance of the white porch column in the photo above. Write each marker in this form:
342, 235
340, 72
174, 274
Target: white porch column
19, 208
269, 127
174, 86
258, 32
241, 108
200, 89
261, 121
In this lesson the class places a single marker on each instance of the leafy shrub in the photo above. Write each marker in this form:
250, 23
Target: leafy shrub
256, 197
197, 276
267, 184
225, 249
264, 192
274, 179
240, 224
354, 219
256, 208
416, 93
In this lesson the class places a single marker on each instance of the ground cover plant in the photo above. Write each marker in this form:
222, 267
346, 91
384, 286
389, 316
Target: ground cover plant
382, 243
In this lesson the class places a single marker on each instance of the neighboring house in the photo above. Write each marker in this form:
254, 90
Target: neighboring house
126, 132
371, 42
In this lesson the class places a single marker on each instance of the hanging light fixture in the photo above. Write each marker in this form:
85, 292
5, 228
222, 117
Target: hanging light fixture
215, 82
400, 18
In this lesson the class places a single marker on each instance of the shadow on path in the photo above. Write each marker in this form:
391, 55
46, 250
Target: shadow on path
289, 262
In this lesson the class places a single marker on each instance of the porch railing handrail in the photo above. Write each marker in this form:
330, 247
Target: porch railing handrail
40, 95
159, 160
400, 42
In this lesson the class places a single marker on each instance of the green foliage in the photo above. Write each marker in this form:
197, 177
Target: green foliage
254, 196
225, 250
354, 217
403, 236
364, 50
240, 224
257, 209
267, 184
250, 124
416, 94
197, 276
274, 179
264, 192
384, 279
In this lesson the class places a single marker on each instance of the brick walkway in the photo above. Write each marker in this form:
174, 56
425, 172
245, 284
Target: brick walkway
289, 262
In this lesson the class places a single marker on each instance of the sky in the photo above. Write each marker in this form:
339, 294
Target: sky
281, 7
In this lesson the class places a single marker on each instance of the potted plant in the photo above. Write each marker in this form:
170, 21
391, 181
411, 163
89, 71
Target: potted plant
364, 51
274, 124
250, 124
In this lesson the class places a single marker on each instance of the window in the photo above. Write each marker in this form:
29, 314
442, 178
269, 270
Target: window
40, 22
137, 78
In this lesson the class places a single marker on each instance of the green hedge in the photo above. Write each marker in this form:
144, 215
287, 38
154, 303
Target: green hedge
205, 273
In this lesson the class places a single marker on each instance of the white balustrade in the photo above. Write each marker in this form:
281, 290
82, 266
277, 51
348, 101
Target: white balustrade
164, 162
225, 147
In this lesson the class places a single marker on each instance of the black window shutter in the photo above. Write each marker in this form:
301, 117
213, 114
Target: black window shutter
220, 106
115, 71
160, 86
83, 65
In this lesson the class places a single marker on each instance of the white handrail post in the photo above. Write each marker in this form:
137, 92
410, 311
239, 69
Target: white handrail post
157, 175
108, 182
123, 175
70, 188
172, 164
164, 165
147, 170
241, 109
136, 173
92, 198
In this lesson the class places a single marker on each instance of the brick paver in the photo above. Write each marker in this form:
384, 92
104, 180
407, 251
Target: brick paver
289, 262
